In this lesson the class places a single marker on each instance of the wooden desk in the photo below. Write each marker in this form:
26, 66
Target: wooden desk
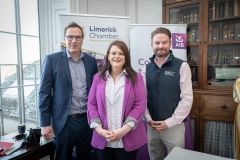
29, 153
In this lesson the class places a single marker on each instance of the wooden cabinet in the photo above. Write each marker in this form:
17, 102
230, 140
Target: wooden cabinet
213, 54
217, 105
212, 106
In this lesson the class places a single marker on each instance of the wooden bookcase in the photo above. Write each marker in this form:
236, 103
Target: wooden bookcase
213, 55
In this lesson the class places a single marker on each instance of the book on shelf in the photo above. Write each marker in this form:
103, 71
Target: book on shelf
226, 54
173, 18
238, 7
230, 56
193, 36
216, 9
181, 21
210, 12
214, 57
213, 10
193, 59
195, 19
178, 18
188, 16
237, 55
237, 31
5, 146
209, 59
226, 9
231, 35
191, 15
225, 32
188, 37
220, 57
231, 9
210, 33
184, 17
234, 55
226, 59
188, 57
215, 34
221, 9
196, 35
220, 31
235, 5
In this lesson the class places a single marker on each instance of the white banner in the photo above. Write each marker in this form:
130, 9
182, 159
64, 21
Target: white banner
99, 32
140, 42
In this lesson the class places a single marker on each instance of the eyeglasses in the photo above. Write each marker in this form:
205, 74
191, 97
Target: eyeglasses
77, 38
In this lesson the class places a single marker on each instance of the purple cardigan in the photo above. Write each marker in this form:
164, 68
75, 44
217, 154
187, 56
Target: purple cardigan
134, 105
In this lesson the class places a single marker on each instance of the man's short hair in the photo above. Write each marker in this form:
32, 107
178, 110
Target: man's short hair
161, 30
73, 25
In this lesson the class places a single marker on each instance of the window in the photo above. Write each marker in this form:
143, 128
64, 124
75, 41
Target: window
19, 64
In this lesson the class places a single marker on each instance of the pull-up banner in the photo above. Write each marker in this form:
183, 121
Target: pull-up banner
99, 31
140, 42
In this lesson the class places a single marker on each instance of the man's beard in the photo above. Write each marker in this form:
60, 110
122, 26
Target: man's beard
160, 54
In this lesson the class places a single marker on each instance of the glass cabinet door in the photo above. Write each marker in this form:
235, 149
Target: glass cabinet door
223, 64
189, 14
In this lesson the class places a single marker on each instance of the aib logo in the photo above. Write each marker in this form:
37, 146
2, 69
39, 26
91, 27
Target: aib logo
178, 41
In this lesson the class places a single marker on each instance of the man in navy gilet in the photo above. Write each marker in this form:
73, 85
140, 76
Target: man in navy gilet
169, 88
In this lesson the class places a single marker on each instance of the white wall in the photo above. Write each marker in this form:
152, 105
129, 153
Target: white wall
140, 11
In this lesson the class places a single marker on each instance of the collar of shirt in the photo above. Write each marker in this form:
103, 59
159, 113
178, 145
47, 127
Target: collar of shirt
69, 56
108, 74
165, 60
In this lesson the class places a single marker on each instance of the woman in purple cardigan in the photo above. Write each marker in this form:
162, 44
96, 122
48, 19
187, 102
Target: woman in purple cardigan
116, 104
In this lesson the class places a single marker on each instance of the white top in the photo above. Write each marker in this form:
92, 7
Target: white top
114, 102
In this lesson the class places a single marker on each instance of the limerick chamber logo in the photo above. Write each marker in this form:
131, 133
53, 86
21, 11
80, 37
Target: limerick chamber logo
179, 41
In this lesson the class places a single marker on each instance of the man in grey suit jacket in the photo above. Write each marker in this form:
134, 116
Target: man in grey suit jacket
65, 83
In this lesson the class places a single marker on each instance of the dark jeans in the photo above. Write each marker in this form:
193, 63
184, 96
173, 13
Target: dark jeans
116, 154
75, 134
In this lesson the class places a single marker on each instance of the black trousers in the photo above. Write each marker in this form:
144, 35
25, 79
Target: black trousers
75, 134
116, 154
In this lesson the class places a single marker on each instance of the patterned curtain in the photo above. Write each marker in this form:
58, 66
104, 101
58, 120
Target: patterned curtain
219, 139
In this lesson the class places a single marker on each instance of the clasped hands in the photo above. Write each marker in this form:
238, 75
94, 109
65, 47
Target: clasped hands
159, 126
112, 136
115, 135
